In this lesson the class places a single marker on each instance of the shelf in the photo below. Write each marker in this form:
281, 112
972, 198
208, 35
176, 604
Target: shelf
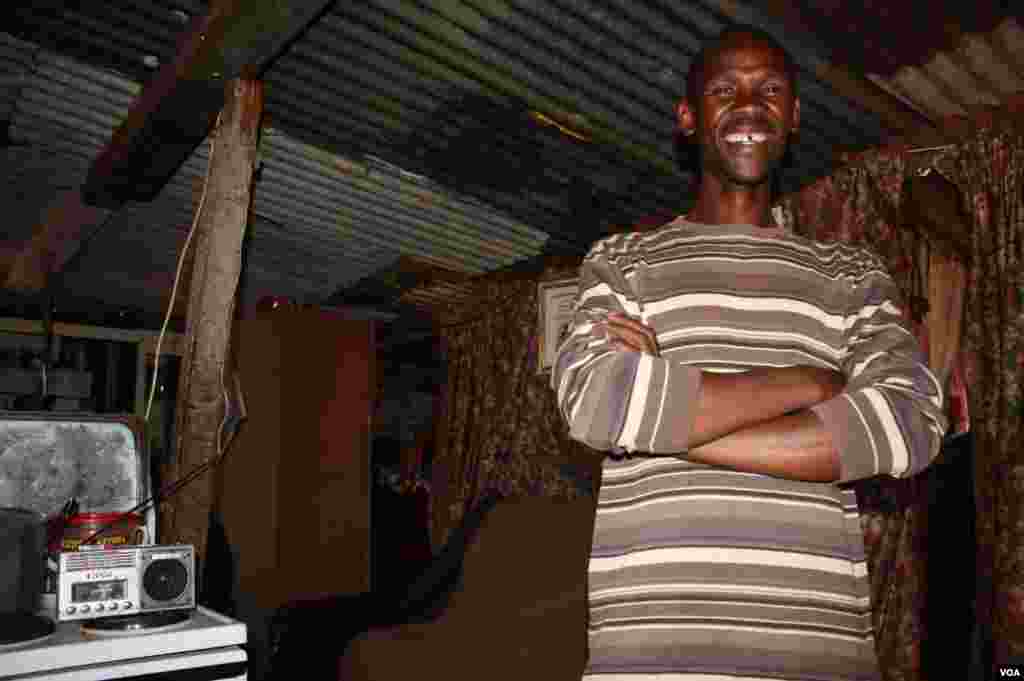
60, 382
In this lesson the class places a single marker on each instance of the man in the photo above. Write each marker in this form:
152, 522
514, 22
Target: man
737, 373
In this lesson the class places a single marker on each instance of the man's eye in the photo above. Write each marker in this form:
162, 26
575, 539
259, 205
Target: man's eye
773, 89
720, 90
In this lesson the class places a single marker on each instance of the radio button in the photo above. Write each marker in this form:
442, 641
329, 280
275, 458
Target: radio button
112, 606
127, 605
85, 608
99, 607
70, 610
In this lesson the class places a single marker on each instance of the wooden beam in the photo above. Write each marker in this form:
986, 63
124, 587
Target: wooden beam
178, 107
144, 337
65, 225
166, 122
216, 270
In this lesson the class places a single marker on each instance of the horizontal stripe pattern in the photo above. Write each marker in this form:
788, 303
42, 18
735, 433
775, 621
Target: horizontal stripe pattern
700, 573
727, 298
697, 570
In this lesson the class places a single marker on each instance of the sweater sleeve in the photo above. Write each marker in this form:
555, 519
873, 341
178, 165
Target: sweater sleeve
616, 400
889, 420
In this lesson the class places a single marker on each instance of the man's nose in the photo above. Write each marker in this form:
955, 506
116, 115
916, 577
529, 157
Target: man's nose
748, 98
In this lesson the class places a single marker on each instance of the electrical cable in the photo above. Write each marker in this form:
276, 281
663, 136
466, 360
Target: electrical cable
177, 274
221, 446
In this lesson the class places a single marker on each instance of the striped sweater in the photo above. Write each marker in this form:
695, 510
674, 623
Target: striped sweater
700, 572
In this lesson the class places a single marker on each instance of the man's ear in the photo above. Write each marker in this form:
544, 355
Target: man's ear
796, 115
686, 118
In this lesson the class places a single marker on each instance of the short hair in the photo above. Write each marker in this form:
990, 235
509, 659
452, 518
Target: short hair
709, 47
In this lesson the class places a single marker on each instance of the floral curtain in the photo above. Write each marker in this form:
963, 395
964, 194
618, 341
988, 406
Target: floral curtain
499, 426
989, 169
861, 203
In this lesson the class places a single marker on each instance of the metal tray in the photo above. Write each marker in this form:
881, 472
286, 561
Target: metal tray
51, 457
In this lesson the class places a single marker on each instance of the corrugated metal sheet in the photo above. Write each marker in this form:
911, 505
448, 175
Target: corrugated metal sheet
982, 71
419, 84
114, 35
430, 299
467, 133
320, 221
70, 108
370, 207
16, 61
416, 81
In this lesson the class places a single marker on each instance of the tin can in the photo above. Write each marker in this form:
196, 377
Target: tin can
114, 530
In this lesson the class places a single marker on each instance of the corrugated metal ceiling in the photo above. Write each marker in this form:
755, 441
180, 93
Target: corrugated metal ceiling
466, 133
317, 221
980, 71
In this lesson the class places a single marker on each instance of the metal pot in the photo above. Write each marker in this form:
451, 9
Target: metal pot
22, 551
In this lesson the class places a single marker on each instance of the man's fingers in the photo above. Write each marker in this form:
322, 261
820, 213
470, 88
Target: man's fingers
633, 336
623, 322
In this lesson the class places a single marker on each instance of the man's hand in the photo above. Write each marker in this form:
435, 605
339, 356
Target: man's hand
630, 334
732, 402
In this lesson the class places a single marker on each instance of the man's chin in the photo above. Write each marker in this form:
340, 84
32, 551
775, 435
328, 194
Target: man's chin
751, 174
743, 175
748, 179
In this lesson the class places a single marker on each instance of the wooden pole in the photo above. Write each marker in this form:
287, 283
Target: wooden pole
215, 274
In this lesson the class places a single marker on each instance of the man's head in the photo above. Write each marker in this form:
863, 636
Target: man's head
741, 106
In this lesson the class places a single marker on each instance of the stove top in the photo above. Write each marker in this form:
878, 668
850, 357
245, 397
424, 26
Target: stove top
72, 645
20, 628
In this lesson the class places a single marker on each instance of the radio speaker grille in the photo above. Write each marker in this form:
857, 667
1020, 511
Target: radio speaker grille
165, 580
100, 560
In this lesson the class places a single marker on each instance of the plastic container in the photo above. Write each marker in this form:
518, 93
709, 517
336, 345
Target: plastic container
119, 529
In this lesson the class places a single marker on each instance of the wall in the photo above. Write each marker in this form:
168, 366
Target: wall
294, 490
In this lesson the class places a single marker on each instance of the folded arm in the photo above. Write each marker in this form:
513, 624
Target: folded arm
755, 421
620, 400
793, 422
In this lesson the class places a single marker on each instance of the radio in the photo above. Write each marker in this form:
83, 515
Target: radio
106, 582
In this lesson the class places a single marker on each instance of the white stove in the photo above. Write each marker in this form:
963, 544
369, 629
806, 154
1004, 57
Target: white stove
207, 646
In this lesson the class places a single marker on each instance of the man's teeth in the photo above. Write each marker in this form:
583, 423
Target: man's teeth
746, 137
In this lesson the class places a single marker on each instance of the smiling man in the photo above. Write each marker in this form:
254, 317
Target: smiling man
738, 374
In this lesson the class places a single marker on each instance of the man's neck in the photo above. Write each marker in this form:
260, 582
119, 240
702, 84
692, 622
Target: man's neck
719, 205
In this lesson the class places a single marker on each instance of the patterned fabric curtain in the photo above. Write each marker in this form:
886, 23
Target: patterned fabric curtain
861, 204
989, 169
499, 426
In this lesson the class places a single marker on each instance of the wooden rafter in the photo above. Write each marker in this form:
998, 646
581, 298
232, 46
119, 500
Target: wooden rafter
215, 274
172, 115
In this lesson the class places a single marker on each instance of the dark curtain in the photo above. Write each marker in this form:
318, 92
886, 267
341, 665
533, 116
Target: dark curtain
861, 203
989, 169
499, 427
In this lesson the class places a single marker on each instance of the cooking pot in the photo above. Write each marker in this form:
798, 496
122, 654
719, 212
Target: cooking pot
22, 550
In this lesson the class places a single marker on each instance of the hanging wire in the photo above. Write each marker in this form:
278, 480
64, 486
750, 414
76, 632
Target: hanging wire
177, 274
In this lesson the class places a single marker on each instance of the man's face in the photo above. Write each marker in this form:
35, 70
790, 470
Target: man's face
745, 110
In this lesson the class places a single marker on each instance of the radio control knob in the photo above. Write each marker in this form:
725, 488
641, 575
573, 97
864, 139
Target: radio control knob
85, 608
127, 605
99, 607
112, 606
70, 610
